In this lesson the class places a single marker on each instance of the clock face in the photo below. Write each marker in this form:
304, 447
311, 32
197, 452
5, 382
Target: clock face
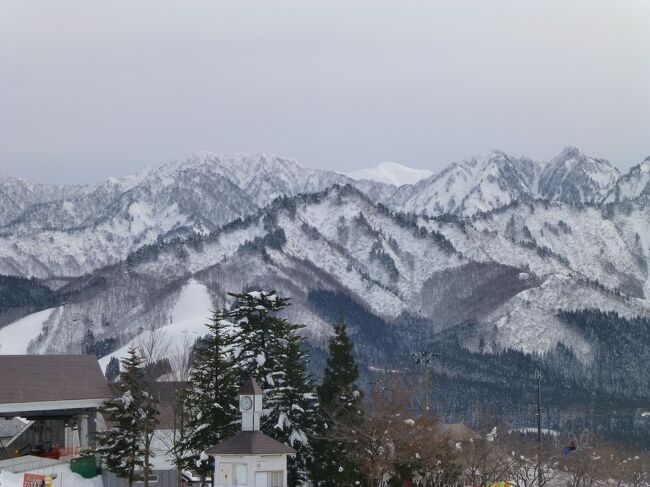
246, 403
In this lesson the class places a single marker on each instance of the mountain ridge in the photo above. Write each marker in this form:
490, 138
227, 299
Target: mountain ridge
504, 274
82, 228
390, 173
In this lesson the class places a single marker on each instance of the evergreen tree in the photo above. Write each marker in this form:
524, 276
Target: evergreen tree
210, 401
126, 447
259, 338
270, 350
112, 370
294, 403
341, 414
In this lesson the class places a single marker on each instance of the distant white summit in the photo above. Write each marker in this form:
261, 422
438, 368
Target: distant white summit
391, 173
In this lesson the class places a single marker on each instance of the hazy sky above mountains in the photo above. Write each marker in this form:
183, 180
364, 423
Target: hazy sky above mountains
92, 89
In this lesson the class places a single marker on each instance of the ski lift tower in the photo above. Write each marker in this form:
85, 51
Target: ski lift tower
424, 359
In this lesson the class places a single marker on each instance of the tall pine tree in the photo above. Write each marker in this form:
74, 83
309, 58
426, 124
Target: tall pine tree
126, 446
270, 350
341, 413
210, 400
294, 402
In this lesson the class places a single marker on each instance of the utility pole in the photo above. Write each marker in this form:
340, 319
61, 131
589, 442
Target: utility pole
538, 381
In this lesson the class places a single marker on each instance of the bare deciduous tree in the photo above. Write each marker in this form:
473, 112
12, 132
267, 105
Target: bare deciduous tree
585, 467
484, 462
531, 466
396, 445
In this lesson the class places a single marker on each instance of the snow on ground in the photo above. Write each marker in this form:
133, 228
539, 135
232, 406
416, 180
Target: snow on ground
391, 173
194, 299
64, 477
189, 317
163, 440
16, 337
531, 430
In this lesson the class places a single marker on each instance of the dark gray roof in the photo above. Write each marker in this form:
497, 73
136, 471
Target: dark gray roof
38, 378
250, 443
250, 386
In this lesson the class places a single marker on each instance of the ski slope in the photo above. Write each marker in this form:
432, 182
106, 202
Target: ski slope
189, 317
16, 337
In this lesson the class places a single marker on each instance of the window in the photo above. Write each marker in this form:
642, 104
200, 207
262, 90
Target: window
275, 479
241, 475
269, 479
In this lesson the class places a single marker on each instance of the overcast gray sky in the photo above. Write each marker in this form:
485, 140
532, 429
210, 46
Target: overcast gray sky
90, 89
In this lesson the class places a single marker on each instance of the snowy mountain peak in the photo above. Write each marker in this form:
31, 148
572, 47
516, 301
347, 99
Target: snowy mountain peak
574, 177
391, 173
570, 152
632, 185
477, 184
237, 163
494, 154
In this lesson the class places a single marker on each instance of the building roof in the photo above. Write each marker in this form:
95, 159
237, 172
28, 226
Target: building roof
250, 443
43, 378
250, 386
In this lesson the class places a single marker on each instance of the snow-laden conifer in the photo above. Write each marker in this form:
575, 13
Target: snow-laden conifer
210, 409
132, 418
270, 350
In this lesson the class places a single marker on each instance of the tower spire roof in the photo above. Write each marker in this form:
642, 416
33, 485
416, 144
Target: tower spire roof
250, 386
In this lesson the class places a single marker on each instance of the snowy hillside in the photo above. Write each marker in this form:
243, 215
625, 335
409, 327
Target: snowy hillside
484, 241
511, 271
573, 177
498, 265
16, 195
391, 173
474, 185
63, 231
633, 185
488, 182
188, 317
99, 225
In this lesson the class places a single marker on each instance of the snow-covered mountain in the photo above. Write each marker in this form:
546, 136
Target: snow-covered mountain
484, 183
477, 184
70, 232
391, 173
16, 195
633, 185
511, 271
229, 223
573, 177
478, 263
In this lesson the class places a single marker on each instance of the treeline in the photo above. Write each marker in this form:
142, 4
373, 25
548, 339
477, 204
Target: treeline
469, 383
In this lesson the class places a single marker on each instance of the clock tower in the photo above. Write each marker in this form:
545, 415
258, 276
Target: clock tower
250, 458
250, 405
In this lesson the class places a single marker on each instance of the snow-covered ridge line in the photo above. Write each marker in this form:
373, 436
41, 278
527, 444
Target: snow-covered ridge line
73, 230
391, 173
509, 267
